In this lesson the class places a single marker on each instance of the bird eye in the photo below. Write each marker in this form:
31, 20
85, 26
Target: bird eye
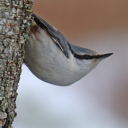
86, 57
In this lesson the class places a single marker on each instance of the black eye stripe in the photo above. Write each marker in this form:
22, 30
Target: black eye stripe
87, 57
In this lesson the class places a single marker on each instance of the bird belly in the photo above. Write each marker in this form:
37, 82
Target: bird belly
47, 61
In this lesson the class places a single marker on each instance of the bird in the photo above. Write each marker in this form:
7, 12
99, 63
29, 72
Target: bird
53, 59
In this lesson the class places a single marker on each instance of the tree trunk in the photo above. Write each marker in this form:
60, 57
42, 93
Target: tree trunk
15, 20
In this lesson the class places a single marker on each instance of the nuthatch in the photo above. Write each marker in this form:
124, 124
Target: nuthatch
53, 59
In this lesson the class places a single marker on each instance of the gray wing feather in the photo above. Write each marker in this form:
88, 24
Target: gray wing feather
57, 37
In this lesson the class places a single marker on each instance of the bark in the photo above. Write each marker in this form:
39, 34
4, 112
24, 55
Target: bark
15, 20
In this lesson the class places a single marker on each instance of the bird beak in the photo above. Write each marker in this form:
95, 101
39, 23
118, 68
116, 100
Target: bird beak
103, 56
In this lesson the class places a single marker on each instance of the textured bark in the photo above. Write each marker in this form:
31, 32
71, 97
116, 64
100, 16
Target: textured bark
15, 20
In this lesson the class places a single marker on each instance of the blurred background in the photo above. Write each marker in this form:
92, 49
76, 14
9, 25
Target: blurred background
99, 100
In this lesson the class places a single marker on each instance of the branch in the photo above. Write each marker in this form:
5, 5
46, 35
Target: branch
15, 20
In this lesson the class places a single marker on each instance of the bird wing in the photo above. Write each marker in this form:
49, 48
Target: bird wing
57, 37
